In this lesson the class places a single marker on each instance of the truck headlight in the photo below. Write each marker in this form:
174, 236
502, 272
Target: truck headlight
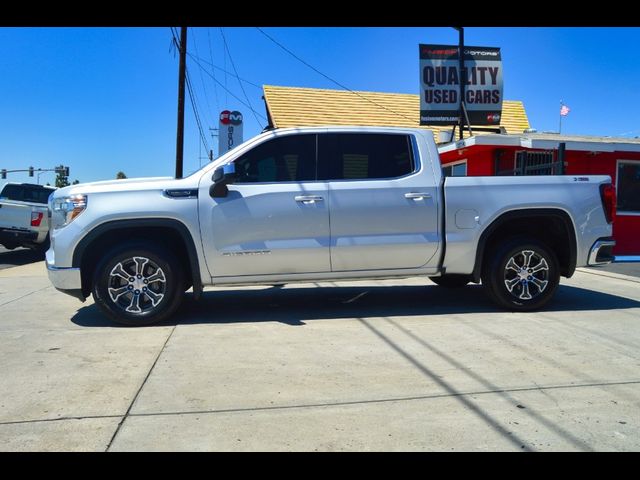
65, 210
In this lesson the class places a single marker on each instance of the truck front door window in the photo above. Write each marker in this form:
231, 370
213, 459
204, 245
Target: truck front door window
284, 159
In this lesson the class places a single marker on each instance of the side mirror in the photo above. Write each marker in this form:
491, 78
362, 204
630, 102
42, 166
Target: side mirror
222, 176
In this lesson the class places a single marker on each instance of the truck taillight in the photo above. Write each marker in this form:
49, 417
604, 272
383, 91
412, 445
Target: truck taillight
608, 196
36, 218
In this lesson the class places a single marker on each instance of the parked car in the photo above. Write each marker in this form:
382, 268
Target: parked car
313, 204
23, 216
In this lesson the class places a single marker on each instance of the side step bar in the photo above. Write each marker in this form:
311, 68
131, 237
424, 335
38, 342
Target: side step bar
626, 258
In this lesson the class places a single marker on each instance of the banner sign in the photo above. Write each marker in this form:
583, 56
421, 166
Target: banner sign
230, 131
440, 85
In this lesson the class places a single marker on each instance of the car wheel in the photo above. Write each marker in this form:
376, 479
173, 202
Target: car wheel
138, 284
451, 281
42, 248
521, 274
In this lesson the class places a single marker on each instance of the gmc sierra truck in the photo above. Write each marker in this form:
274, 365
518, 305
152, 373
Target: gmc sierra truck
23, 216
331, 203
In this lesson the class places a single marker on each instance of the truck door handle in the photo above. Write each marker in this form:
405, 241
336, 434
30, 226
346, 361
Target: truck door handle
308, 199
417, 196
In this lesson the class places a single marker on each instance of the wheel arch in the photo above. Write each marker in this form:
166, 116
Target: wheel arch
552, 226
165, 231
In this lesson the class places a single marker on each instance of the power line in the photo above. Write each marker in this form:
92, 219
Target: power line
328, 77
215, 86
195, 111
192, 98
226, 46
204, 86
224, 61
226, 89
223, 70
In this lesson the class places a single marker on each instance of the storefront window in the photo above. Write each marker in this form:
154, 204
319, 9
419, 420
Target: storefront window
456, 170
628, 187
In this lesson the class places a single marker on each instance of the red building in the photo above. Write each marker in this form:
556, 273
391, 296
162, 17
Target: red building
541, 154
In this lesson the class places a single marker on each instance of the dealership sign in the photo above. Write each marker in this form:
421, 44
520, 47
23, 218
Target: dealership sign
230, 131
440, 85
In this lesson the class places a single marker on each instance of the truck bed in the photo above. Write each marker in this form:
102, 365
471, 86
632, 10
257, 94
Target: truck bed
472, 203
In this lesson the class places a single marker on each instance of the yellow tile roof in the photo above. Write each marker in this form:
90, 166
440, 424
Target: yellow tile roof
297, 107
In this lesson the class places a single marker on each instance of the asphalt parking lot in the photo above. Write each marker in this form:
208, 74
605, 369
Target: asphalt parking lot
334, 366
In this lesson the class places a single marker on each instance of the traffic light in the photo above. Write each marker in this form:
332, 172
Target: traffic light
31, 171
3, 172
62, 170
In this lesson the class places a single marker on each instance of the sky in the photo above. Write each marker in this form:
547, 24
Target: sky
104, 100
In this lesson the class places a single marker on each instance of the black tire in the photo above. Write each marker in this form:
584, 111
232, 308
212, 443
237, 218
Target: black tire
451, 281
138, 284
10, 246
521, 274
41, 248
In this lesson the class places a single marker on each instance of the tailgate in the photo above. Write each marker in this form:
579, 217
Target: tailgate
15, 215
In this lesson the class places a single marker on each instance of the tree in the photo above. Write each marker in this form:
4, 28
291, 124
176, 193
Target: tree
76, 182
120, 175
61, 180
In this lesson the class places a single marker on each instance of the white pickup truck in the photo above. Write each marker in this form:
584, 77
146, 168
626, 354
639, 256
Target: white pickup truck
23, 216
331, 203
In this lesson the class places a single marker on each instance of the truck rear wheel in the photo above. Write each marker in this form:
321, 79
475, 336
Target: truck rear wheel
138, 284
521, 274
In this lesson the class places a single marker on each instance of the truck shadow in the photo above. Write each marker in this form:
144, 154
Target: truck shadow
295, 305
18, 257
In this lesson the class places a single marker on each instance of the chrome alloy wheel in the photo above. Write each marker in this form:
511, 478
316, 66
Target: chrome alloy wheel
526, 275
137, 285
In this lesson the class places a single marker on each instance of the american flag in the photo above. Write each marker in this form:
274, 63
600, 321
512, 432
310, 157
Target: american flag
564, 110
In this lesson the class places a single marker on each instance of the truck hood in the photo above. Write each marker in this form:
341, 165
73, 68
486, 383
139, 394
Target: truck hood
127, 185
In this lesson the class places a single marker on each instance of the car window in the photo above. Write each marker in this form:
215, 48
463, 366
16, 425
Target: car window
290, 158
37, 195
26, 193
360, 156
12, 192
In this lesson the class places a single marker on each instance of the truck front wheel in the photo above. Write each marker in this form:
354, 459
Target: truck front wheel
138, 284
521, 274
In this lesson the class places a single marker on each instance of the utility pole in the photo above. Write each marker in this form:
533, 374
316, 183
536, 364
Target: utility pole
461, 113
214, 134
181, 81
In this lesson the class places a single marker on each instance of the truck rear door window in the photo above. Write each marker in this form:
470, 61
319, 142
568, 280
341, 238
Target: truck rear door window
362, 156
